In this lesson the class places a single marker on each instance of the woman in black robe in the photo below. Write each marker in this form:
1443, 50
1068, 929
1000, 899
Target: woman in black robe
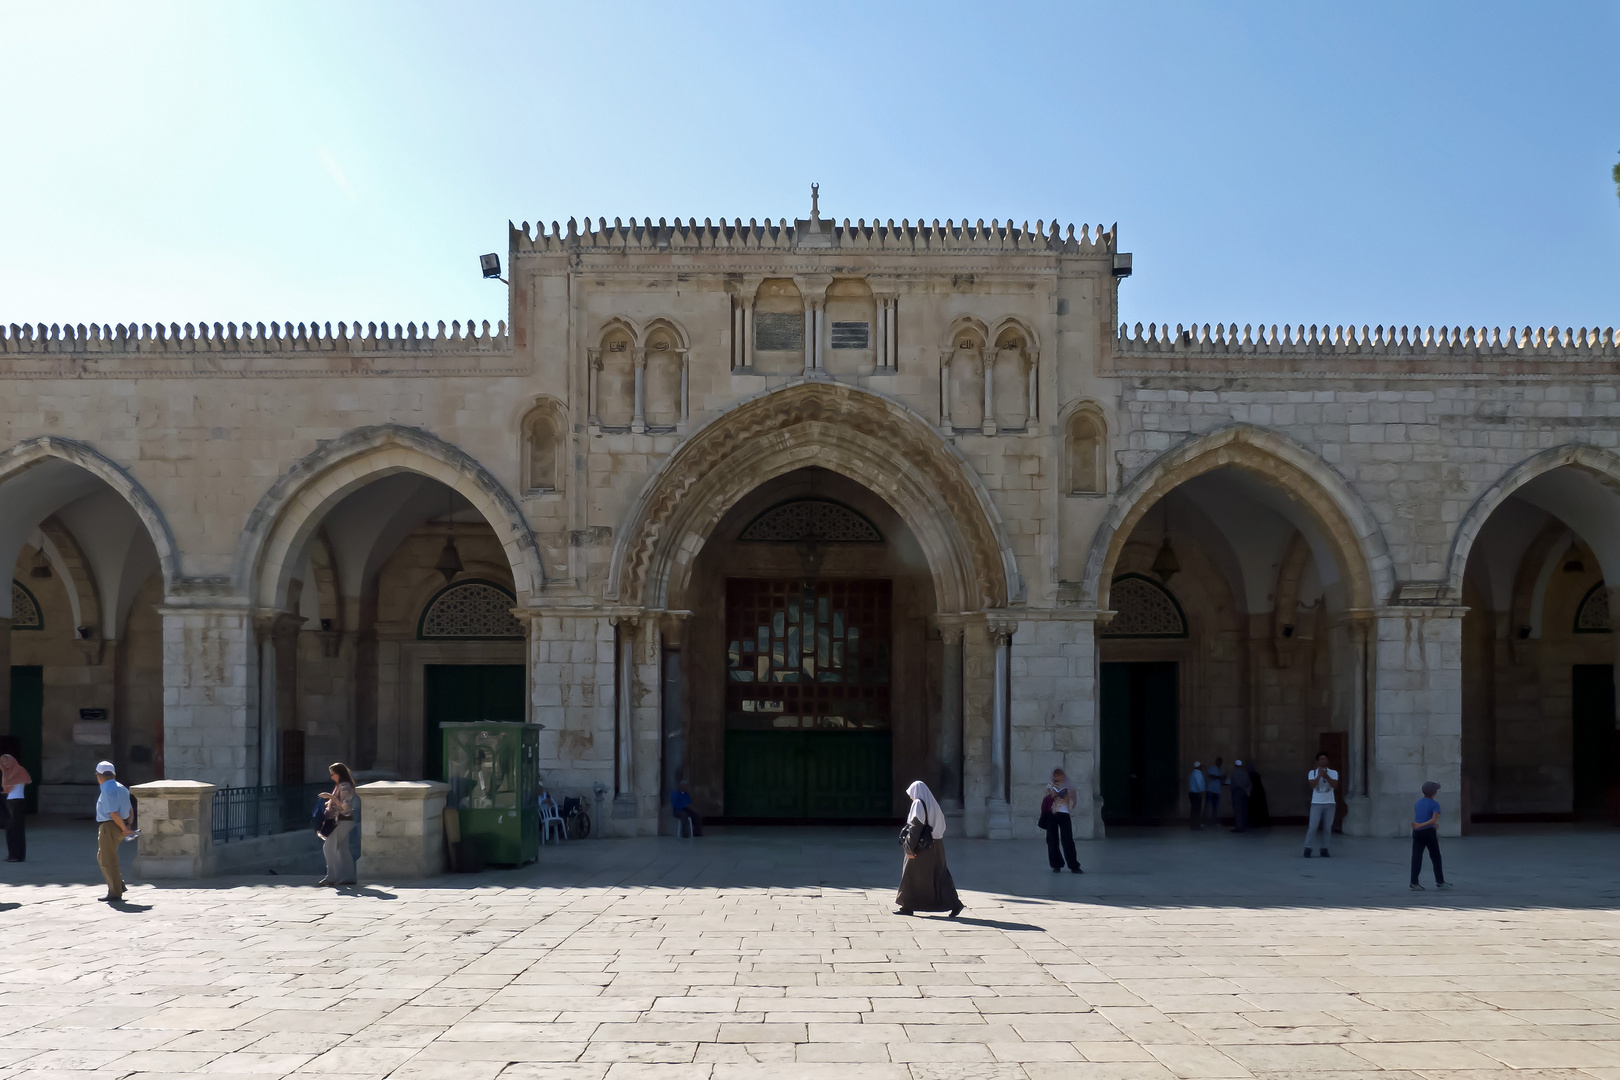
925, 880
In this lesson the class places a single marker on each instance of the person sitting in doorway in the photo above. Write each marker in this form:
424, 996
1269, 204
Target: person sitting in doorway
681, 803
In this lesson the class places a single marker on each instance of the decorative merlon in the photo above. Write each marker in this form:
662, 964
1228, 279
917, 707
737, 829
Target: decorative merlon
256, 338
1337, 341
807, 233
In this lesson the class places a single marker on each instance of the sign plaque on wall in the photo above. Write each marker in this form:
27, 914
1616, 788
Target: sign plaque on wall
93, 728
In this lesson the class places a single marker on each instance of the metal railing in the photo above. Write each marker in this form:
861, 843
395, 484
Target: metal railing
243, 812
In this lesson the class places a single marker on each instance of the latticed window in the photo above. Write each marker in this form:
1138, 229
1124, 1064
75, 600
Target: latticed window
470, 611
25, 613
1144, 609
1592, 617
807, 654
811, 519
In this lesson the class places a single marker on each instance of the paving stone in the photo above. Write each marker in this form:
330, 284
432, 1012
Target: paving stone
592, 966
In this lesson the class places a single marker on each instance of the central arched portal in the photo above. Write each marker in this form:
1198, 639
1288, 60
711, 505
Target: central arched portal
802, 555
812, 670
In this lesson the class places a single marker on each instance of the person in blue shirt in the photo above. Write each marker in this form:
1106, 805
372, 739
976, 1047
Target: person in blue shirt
1426, 836
112, 812
681, 803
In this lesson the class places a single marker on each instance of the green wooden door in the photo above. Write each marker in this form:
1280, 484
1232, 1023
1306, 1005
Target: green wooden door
1592, 710
1139, 741
28, 726
809, 775
807, 701
466, 693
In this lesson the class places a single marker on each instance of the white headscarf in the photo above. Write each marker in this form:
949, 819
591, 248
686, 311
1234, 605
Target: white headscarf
925, 809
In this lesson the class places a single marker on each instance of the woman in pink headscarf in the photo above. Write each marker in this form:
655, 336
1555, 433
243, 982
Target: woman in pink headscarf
13, 778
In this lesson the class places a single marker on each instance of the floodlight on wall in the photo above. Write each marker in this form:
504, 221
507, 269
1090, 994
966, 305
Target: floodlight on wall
1122, 264
491, 265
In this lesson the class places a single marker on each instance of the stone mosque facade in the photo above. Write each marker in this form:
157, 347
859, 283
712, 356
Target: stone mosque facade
791, 514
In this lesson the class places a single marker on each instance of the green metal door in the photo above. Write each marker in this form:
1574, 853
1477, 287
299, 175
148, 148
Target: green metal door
808, 775
462, 694
807, 701
1139, 741
28, 726
1592, 710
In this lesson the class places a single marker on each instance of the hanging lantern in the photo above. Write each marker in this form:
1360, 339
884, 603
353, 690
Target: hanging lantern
449, 563
1573, 564
42, 565
1165, 563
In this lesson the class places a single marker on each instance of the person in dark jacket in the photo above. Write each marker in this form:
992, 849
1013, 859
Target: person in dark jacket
925, 880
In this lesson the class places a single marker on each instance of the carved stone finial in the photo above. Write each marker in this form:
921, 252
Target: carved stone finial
815, 202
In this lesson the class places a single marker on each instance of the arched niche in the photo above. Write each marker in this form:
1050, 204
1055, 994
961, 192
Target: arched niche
614, 400
778, 327
665, 376
962, 378
1012, 389
1085, 451
543, 447
851, 321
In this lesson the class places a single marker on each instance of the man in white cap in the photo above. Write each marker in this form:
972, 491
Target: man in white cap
112, 813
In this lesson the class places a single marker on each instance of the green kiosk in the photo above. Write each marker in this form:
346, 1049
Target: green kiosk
493, 770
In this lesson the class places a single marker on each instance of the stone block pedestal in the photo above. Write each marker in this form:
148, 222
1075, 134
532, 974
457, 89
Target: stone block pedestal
401, 829
177, 829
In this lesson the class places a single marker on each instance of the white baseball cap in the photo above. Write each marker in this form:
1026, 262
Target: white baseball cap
105, 768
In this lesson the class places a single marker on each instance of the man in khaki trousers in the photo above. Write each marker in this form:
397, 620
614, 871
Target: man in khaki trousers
112, 813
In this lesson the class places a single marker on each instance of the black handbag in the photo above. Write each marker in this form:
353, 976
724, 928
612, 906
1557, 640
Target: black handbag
917, 837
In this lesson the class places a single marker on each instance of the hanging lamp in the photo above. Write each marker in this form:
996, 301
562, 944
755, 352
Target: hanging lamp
1165, 563
1573, 563
449, 563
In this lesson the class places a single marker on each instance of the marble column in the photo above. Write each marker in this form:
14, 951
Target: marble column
638, 422
950, 715
210, 706
1417, 734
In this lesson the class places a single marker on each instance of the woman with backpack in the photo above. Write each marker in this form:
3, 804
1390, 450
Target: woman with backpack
1055, 810
338, 824
925, 881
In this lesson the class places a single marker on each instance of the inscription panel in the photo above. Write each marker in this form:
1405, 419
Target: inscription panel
777, 331
851, 335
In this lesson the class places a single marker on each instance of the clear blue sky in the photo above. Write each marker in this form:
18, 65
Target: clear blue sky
1359, 163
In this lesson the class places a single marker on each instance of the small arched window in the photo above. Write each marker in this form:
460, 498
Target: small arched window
542, 449
1086, 452
25, 610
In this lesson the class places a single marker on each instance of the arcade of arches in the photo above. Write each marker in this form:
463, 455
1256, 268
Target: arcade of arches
791, 515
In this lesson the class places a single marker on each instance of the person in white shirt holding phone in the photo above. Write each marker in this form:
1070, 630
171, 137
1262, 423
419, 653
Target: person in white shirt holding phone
1323, 782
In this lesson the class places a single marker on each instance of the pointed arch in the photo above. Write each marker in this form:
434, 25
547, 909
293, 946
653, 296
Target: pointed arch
1305, 477
968, 323
870, 438
1601, 463
1032, 341
32, 452
280, 525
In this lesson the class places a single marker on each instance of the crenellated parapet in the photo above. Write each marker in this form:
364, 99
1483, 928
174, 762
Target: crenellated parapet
253, 338
812, 233
1448, 350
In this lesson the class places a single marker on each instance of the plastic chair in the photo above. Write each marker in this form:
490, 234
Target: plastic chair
551, 821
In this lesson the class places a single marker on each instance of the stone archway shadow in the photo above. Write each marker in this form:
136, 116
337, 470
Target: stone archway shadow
1304, 476
864, 436
296, 503
1604, 464
31, 452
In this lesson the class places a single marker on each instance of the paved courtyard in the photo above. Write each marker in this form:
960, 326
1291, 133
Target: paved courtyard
773, 953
